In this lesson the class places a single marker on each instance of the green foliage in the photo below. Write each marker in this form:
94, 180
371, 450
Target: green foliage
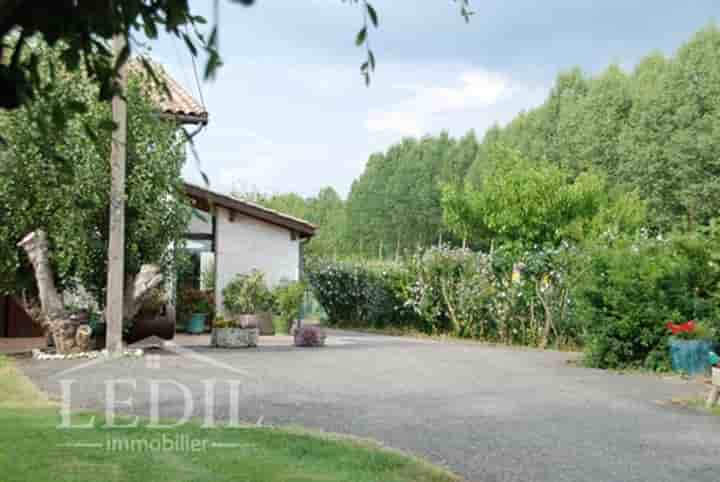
450, 291
222, 322
624, 149
342, 290
58, 180
536, 203
629, 288
394, 206
288, 300
191, 301
86, 32
361, 293
247, 294
653, 131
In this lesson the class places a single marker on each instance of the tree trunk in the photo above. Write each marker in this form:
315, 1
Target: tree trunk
548, 317
66, 335
35, 245
139, 289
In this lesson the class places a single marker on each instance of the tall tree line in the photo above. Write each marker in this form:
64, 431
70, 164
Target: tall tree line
654, 131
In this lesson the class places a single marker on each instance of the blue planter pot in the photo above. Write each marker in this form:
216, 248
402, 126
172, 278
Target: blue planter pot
196, 324
690, 356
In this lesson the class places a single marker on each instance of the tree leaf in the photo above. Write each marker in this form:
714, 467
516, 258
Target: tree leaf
190, 44
372, 14
361, 36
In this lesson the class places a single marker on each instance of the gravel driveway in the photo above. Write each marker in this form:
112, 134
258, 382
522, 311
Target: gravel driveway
487, 413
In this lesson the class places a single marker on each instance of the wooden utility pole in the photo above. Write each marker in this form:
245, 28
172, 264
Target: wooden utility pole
116, 246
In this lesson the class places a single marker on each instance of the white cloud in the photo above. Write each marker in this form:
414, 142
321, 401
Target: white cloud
470, 90
402, 122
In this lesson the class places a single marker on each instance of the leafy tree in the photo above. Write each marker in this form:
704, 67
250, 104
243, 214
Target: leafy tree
644, 138
394, 206
536, 203
652, 131
58, 181
671, 141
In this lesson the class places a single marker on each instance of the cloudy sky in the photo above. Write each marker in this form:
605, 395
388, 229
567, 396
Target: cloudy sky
289, 110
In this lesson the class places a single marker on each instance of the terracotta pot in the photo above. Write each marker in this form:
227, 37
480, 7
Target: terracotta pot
248, 321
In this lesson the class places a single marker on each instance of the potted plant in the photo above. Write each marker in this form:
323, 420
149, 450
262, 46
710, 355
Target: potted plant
246, 298
288, 298
198, 320
194, 308
228, 333
690, 343
247, 301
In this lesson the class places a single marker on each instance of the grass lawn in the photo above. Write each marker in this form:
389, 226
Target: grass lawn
33, 449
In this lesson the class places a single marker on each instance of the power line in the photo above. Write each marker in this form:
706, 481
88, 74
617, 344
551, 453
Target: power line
197, 82
180, 62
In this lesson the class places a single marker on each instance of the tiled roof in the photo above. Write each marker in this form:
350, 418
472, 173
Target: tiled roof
179, 105
203, 198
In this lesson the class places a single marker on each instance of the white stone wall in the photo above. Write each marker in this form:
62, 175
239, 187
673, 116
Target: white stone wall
246, 243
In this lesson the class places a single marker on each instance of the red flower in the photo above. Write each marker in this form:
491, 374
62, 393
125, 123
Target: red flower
687, 327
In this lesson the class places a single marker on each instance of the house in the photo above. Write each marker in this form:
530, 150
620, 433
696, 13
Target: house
230, 236
241, 236
234, 236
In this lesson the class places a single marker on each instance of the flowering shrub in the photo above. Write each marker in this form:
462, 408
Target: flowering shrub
682, 328
607, 296
451, 291
191, 301
444, 290
309, 335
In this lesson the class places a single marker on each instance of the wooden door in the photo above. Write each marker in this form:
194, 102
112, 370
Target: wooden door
15, 322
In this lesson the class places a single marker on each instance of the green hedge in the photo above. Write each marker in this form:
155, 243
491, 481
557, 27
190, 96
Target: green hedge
361, 293
613, 296
630, 288
451, 291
